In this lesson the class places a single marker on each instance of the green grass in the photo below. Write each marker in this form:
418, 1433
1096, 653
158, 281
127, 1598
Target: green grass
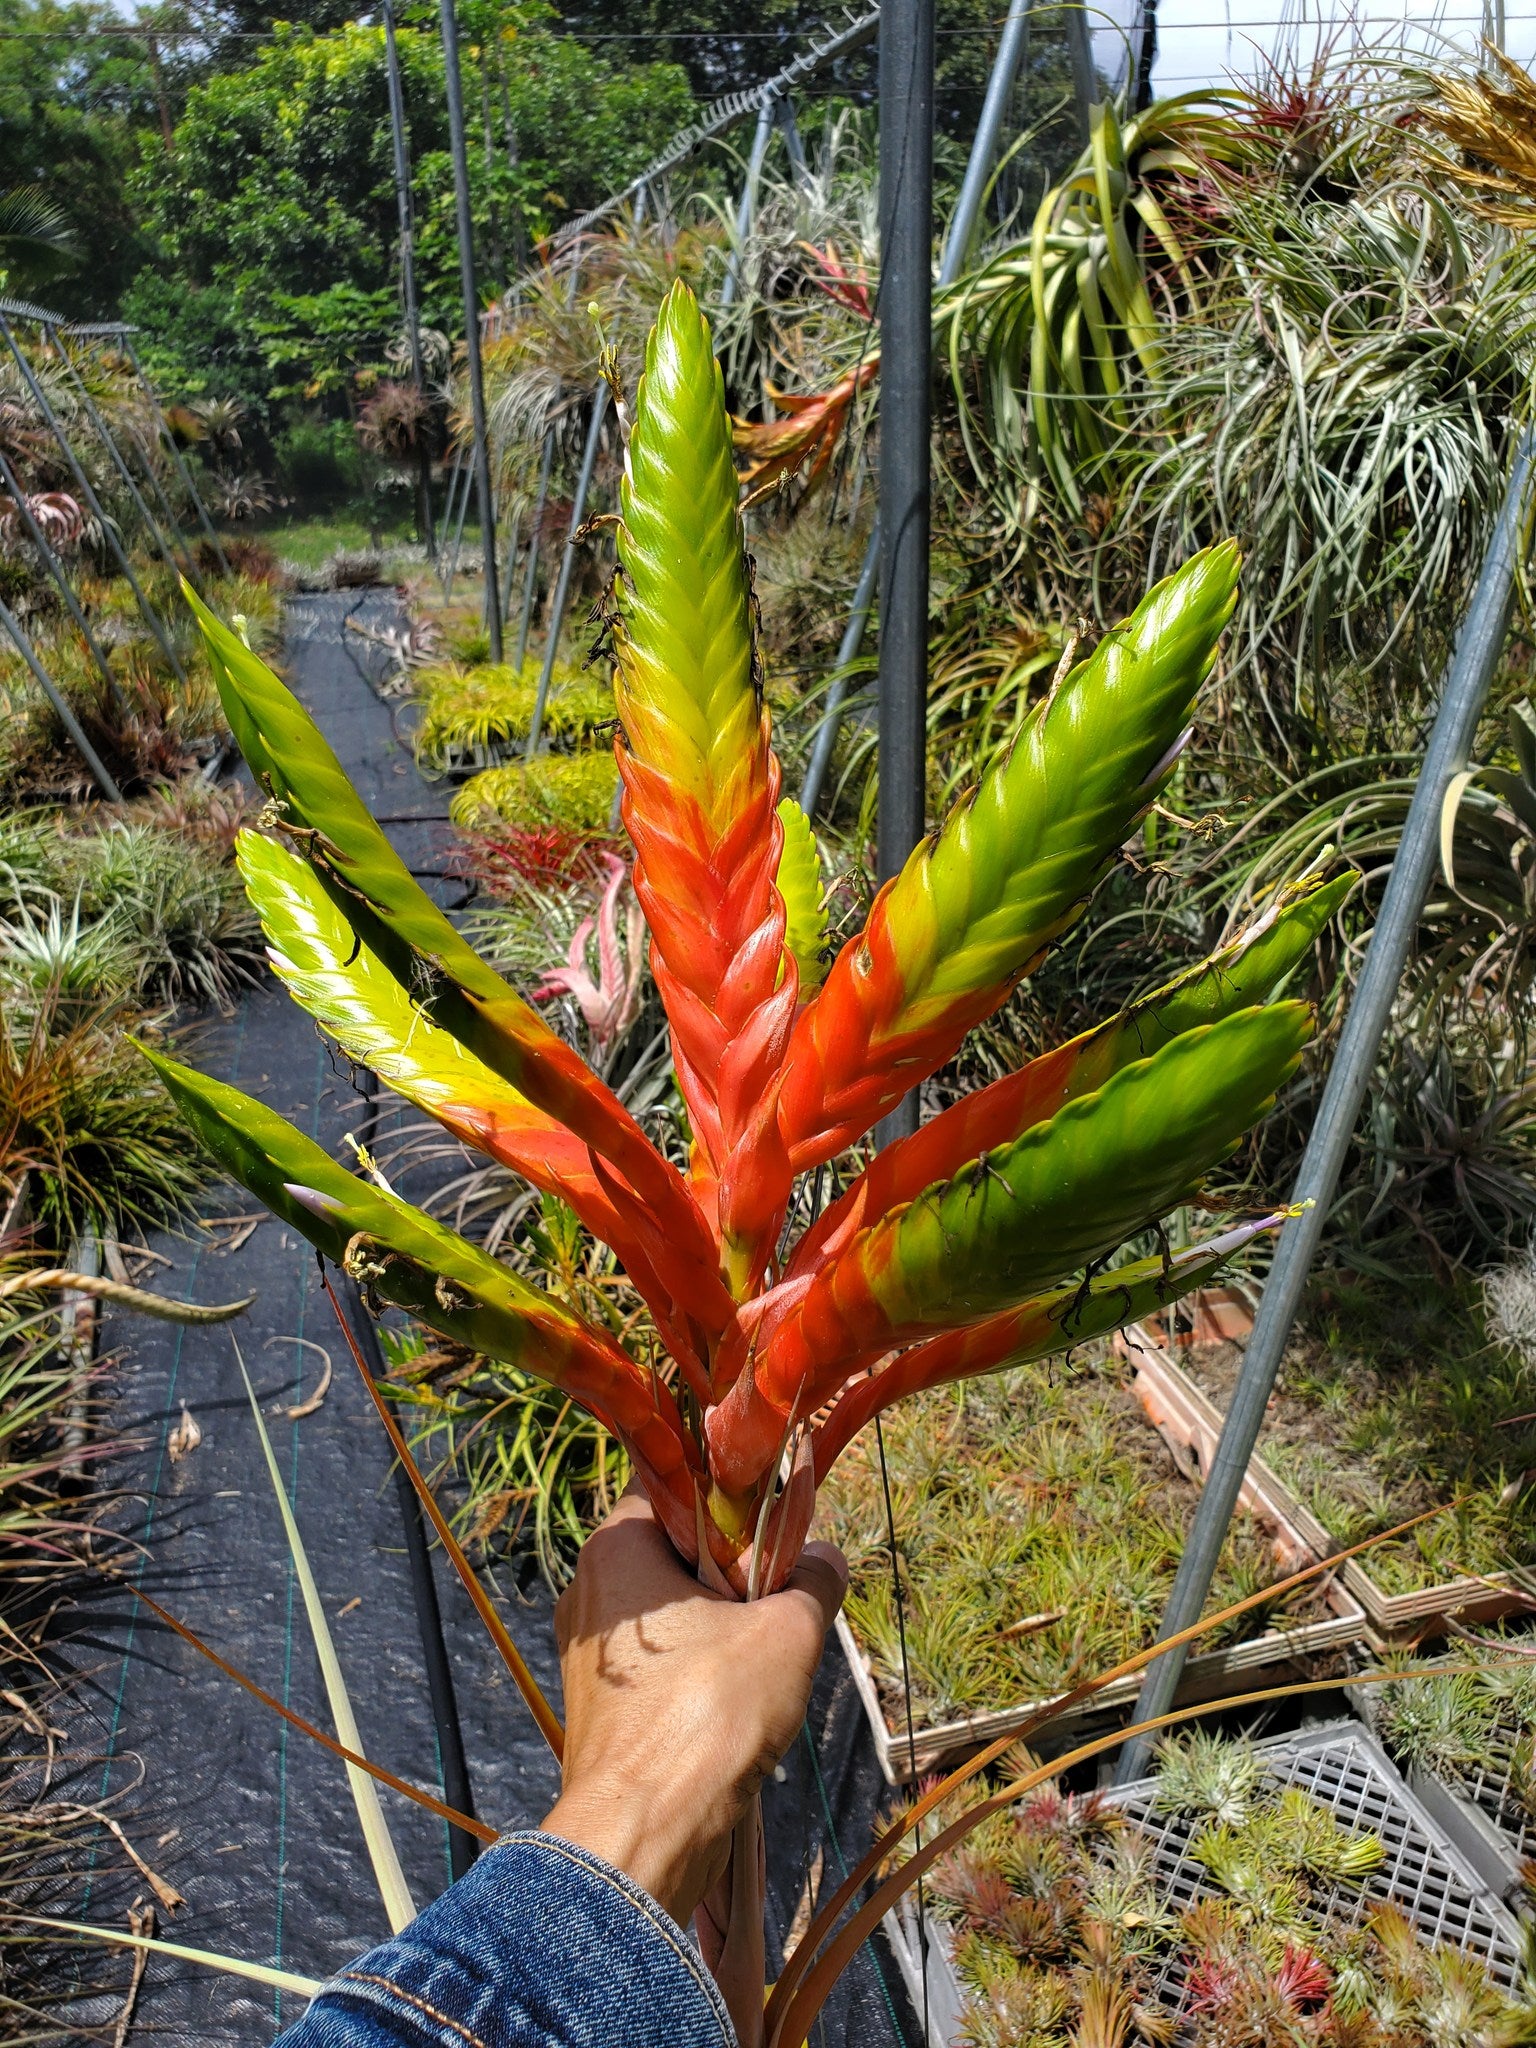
310, 541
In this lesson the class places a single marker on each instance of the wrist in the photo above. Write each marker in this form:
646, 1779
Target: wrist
636, 1831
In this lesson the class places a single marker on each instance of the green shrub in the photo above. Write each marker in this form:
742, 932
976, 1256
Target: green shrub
573, 790
472, 711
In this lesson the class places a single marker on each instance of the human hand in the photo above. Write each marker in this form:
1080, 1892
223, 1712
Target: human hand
678, 1702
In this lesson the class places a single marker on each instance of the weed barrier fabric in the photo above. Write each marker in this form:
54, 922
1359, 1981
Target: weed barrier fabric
247, 1817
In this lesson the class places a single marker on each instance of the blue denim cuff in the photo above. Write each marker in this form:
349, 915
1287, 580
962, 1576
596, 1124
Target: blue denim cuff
542, 1945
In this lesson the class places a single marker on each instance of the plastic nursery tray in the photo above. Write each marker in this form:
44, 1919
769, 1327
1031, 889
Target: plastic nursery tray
1191, 1424
1236, 1667
1479, 1809
1423, 1872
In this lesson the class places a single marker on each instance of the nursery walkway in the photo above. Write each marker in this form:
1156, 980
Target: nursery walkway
249, 1819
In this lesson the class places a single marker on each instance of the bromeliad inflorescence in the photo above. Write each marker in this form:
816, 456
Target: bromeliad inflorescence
980, 1242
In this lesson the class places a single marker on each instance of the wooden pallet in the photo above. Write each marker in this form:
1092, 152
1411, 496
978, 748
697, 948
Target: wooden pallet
1191, 1425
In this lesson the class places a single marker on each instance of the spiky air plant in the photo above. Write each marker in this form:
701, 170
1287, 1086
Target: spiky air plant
983, 1240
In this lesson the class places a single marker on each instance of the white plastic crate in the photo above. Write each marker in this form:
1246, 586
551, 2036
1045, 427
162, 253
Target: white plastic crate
1344, 1768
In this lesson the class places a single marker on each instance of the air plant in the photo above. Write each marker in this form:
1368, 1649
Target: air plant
468, 715
59, 518
981, 1241
560, 792
610, 1004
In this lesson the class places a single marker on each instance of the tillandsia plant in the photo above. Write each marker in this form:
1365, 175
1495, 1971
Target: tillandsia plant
983, 1240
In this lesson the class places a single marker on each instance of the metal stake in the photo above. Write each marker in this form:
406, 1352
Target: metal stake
531, 574
1086, 88
66, 717
455, 84
104, 434
789, 128
1471, 670
746, 205
55, 569
87, 491
567, 564
906, 371
962, 230
176, 455
408, 267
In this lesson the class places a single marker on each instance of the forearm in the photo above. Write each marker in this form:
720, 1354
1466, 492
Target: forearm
542, 1945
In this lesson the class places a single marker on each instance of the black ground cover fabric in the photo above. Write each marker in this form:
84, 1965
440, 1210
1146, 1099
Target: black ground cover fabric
251, 1820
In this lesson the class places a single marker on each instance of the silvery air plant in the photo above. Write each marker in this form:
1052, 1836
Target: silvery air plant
983, 1241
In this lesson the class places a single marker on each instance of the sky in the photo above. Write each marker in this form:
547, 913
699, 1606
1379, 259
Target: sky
1205, 42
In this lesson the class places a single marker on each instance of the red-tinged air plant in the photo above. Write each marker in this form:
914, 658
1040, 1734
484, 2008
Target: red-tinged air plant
1302, 1979
986, 1240
531, 853
775, 448
610, 1004
849, 288
59, 518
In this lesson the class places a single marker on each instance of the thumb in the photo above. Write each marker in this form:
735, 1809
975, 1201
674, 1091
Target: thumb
818, 1581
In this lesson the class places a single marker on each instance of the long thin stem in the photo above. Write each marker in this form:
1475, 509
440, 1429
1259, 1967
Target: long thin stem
350, 1756
542, 1712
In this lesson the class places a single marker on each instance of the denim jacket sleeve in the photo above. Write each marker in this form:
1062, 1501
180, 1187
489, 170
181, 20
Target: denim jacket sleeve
541, 1945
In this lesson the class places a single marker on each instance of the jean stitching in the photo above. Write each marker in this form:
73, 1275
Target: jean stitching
682, 1951
388, 1984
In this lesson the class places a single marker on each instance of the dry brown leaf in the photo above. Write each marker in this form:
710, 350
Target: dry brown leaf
303, 1408
140, 1922
186, 1436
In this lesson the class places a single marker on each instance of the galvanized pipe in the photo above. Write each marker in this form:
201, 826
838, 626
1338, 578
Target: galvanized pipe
567, 564
66, 717
746, 206
531, 573
408, 262
1011, 49
1478, 648
486, 505
176, 455
55, 569
87, 491
906, 371
104, 434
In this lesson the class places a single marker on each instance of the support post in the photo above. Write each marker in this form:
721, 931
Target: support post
789, 128
176, 455
1086, 90
66, 717
487, 509
55, 569
408, 267
567, 564
906, 373
1478, 648
104, 435
531, 572
87, 491
746, 206
1011, 49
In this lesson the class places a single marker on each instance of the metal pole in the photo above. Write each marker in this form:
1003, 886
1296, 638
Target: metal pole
104, 434
747, 204
66, 717
55, 569
531, 574
176, 455
455, 84
1471, 669
1011, 49
458, 469
408, 264
87, 491
906, 373
506, 581
458, 533
1086, 89
567, 564
789, 128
